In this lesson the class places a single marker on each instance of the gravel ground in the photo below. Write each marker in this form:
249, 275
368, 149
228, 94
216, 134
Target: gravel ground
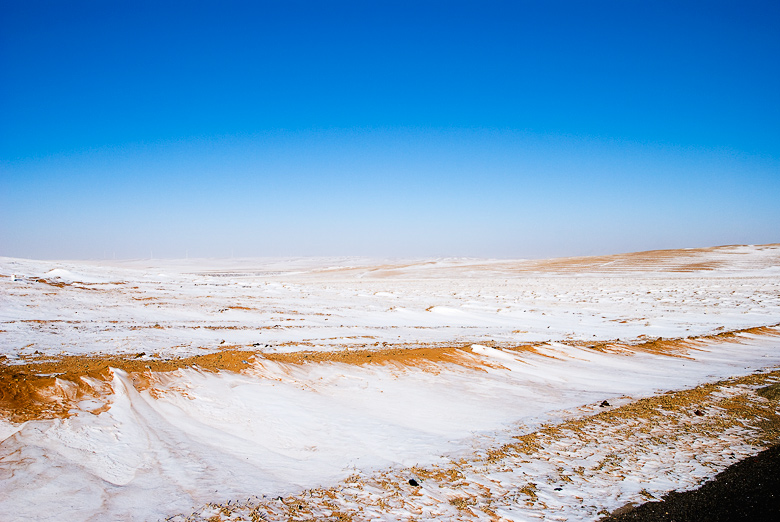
748, 490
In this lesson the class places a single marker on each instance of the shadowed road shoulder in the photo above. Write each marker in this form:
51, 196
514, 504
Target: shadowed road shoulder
748, 490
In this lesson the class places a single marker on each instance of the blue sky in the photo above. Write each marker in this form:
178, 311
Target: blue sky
400, 129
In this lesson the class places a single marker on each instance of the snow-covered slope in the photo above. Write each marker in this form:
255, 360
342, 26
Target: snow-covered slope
149, 445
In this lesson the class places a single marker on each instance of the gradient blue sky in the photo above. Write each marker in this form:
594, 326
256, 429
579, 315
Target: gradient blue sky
401, 129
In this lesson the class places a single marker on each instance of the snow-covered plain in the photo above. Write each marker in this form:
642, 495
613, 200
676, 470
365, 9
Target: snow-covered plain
191, 437
176, 308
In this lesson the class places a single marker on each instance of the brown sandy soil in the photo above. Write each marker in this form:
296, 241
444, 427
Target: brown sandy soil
677, 260
673, 260
678, 347
469, 488
48, 387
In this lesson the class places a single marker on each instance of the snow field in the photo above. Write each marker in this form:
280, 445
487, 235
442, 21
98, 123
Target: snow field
170, 310
350, 436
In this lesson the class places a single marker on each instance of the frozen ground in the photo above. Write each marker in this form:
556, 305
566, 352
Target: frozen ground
176, 308
147, 449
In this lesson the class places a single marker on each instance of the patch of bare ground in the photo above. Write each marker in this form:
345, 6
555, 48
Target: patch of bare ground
78, 285
48, 388
674, 260
678, 347
714, 423
419, 357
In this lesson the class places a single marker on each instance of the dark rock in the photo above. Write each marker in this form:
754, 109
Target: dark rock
699, 413
626, 508
746, 491
413, 482
604, 404
771, 392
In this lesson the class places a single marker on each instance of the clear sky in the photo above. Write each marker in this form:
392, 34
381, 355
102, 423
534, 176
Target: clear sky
394, 129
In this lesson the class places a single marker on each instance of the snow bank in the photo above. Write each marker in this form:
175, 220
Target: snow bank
199, 437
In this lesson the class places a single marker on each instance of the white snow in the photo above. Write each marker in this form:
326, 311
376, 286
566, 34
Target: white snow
277, 428
297, 304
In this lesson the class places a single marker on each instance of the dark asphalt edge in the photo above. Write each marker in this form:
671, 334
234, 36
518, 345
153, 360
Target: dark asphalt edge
747, 490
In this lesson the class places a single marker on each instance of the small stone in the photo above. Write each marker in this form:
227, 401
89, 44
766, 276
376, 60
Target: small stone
699, 413
604, 404
413, 482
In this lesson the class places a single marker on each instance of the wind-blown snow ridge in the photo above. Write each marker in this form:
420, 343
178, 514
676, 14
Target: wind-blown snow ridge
192, 437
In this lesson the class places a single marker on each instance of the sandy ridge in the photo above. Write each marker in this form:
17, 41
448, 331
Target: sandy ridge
46, 387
